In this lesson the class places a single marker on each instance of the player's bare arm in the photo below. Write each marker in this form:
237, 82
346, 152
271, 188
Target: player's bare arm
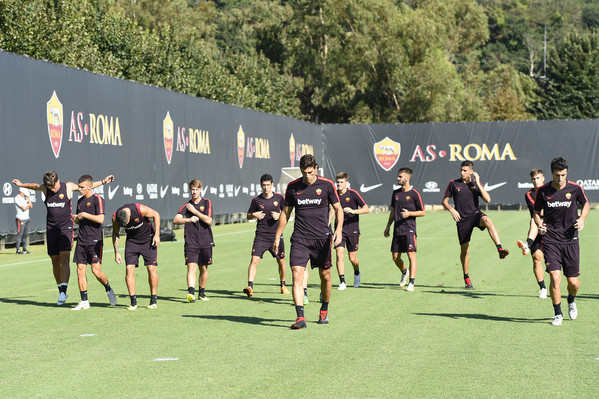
275, 215
151, 213
406, 214
257, 215
338, 236
115, 241
360, 211
85, 215
455, 214
31, 186
542, 228
583, 215
389, 222
180, 219
282, 223
484, 194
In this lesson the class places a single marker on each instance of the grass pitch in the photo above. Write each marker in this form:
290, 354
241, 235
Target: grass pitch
439, 341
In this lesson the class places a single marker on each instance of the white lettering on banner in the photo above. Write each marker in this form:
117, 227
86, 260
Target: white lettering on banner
309, 201
589, 184
559, 204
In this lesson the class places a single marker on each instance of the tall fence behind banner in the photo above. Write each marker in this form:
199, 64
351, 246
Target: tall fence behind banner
155, 141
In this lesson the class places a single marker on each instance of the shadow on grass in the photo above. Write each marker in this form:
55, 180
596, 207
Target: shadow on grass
246, 320
479, 316
239, 295
122, 301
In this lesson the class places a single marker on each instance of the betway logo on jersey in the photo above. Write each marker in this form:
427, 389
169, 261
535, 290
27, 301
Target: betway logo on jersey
559, 204
470, 152
55, 204
54, 117
189, 139
309, 201
386, 153
253, 147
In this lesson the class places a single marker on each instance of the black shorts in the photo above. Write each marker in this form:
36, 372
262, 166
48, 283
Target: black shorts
134, 250
91, 254
317, 251
537, 244
59, 240
564, 256
201, 257
465, 227
403, 243
262, 245
351, 242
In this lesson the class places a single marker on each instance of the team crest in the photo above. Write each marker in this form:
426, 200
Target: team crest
386, 153
318, 191
292, 150
568, 195
61, 196
89, 204
202, 208
136, 220
346, 199
276, 203
240, 146
407, 198
54, 116
168, 135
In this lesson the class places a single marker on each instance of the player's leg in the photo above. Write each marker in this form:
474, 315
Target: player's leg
19, 235
413, 268
202, 281
282, 275
305, 284
353, 259
465, 260
573, 287
340, 252
556, 295
486, 222
297, 273
153, 282
103, 279
325, 290
572, 271
537, 268
82, 281
249, 290
192, 267
130, 282
25, 233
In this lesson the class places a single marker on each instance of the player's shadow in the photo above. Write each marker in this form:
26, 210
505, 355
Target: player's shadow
28, 302
480, 316
245, 320
474, 294
376, 286
239, 295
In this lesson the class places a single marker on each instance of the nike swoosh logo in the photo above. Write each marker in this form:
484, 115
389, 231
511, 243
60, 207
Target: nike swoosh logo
204, 191
163, 191
396, 187
112, 192
237, 190
494, 186
365, 189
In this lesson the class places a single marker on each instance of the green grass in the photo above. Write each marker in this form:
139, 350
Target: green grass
439, 341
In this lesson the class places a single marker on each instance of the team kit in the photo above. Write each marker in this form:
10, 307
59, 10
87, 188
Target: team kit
326, 221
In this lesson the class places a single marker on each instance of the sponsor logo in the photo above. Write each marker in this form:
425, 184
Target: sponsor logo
525, 185
175, 190
240, 146
470, 152
213, 190
139, 188
365, 189
386, 153
493, 186
568, 195
396, 187
163, 191
203, 191
237, 190
431, 187
168, 136
111, 192
127, 191
54, 117
152, 190
589, 184
55, 204
309, 201
559, 204
230, 189
7, 188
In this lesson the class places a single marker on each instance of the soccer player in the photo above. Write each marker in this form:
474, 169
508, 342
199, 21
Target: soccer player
532, 244
353, 206
90, 242
196, 215
142, 239
312, 238
465, 192
557, 201
59, 224
266, 208
406, 206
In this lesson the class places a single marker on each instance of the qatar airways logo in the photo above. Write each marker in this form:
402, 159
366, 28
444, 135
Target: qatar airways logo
309, 201
559, 204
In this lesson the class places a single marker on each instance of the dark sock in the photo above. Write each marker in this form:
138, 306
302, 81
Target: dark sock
541, 284
62, 288
324, 306
83, 295
529, 242
300, 311
153, 299
557, 309
191, 290
251, 284
467, 279
404, 271
133, 300
282, 283
571, 298
305, 292
341, 278
202, 292
499, 248
107, 287
412, 280
356, 272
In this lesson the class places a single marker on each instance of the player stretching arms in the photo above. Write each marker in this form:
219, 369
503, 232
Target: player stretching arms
532, 244
465, 192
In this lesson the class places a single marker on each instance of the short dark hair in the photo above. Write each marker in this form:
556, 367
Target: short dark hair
467, 163
535, 172
195, 183
121, 217
558, 163
85, 178
308, 161
50, 178
405, 169
342, 175
265, 177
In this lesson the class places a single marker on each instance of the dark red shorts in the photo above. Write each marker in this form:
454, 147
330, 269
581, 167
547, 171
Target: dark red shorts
466, 226
349, 242
88, 254
201, 257
262, 245
403, 243
133, 251
317, 251
59, 240
564, 256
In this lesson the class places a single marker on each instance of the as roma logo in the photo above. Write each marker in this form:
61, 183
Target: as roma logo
240, 146
346, 199
386, 153
292, 150
568, 195
318, 191
54, 115
276, 203
168, 134
202, 208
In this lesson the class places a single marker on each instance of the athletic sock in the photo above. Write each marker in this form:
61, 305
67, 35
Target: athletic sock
404, 271
62, 287
191, 290
251, 284
153, 299
467, 279
133, 300
571, 298
341, 278
202, 292
557, 309
529, 242
299, 310
305, 292
83, 295
324, 306
541, 284
107, 287
282, 283
356, 272
499, 247
412, 280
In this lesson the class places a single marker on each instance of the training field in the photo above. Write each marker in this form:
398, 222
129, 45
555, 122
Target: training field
439, 341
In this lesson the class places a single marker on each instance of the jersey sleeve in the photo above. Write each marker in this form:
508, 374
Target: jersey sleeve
581, 196
100, 206
418, 201
333, 196
358, 198
539, 201
449, 190
530, 203
281, 205
289, 201
208, 209
253, 206
183, 210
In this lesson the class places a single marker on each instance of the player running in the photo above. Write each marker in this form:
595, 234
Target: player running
467, 215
